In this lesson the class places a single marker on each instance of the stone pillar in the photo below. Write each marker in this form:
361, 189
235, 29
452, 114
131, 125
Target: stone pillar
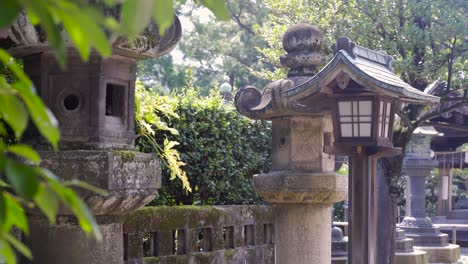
93, 103
303, 187
418, 165
303, 184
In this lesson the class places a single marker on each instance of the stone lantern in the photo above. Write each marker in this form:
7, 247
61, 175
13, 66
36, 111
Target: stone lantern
418, 164
94, 104
302, 184
225, 89
345, 108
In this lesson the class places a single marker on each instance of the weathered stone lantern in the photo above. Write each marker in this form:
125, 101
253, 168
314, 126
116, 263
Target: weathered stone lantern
418, 164
358, 88
302, 184
94, 105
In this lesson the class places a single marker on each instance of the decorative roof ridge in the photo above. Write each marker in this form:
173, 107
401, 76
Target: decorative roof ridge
354, 50
343, 56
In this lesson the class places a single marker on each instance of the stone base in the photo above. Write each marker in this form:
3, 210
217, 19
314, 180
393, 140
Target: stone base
65, 242
429, 240
287, 187
131, 178
339, 260
415, 257
445, 254
458, 214
340, 248
302, 234
426, 235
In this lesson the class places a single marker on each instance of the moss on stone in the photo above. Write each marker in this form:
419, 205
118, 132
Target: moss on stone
228, 254
151, 260
125, 155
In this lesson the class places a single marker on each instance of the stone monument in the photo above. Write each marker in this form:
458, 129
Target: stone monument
94, 104
302, 184
418, 165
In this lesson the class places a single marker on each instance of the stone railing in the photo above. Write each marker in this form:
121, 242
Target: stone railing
200, 234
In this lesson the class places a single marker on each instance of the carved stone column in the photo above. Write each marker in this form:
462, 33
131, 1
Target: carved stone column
94, 105
302, 184
303, 187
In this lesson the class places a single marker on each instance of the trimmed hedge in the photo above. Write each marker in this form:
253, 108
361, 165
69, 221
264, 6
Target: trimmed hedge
222, 151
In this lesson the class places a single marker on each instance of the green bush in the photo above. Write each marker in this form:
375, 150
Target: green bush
221, 150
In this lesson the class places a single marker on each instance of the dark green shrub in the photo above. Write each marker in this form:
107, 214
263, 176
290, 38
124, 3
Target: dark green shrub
222, 150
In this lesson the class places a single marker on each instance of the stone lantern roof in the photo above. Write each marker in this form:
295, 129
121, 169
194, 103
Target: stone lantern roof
308, 94
23, 38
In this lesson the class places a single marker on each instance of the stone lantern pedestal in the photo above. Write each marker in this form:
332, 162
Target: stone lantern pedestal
94, 105
418, 165
302, 184
303, 189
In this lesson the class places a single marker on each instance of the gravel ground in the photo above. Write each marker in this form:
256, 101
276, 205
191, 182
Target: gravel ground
464, 256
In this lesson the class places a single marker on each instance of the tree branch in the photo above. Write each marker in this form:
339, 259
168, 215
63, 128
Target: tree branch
446, 125
404, 117
440, 112
242, 25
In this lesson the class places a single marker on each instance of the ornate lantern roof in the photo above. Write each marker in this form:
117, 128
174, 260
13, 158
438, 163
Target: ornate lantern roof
351, 66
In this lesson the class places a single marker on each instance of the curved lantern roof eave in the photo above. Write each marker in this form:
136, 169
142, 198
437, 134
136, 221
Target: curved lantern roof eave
303, 94
27, 40
269, 103
343, 62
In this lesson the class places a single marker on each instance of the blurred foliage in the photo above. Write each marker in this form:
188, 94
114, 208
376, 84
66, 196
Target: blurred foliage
460, 185
216, 53
425, 37
161, 75
221, 149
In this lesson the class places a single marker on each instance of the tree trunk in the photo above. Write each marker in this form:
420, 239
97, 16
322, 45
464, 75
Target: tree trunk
385, 217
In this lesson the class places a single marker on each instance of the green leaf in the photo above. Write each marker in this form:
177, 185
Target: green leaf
78, 207
39, 9
14, 113
18, 245
7, 255
111, 2
88, 19
163, 14
14, 214
43, 119
23, 178
85, 186
25, 151
8, 11
74, 203
76, 33
3, 130
135, 16
46, 200
14, 67
4, 184
218, 7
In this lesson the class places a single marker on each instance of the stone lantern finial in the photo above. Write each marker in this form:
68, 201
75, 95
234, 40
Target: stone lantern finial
303, 44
